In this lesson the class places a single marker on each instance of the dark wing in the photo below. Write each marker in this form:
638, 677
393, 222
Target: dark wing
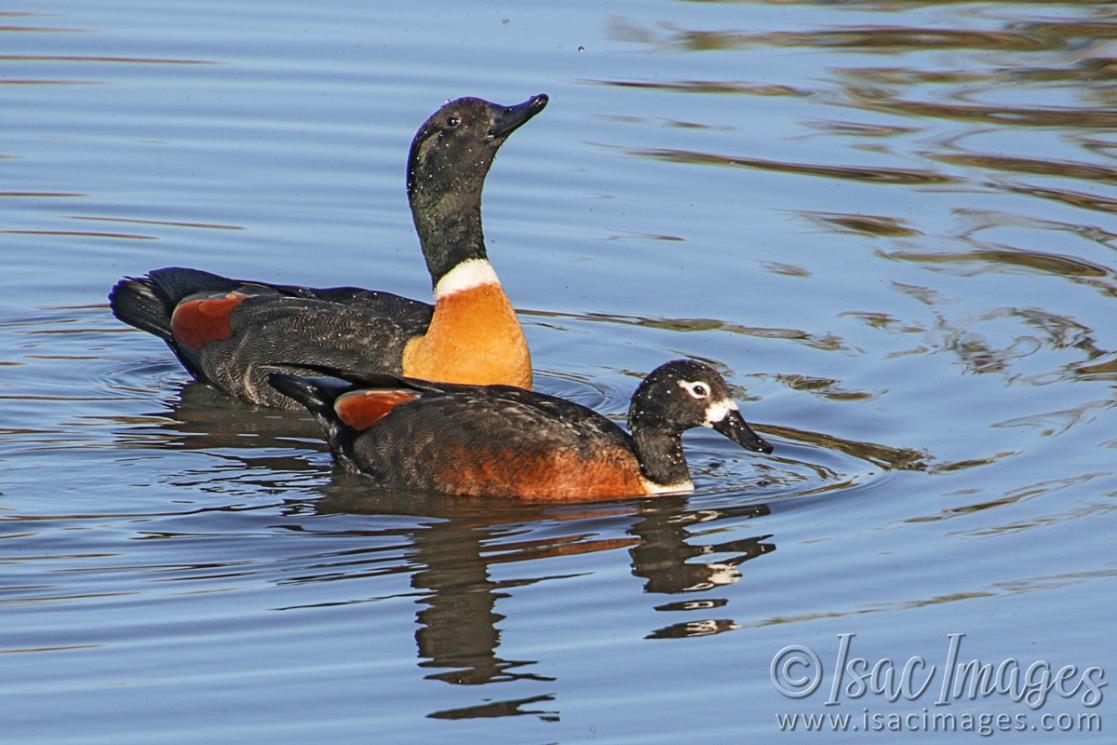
175, 283
225, 330
270, 333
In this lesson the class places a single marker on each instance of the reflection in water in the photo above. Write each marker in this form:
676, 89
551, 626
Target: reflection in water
1067, 266
1070, 197
1099, 371
875, 175
704, 86
510, 708
1065, 169
827, 342
99, 59
458, 632
457, 629
202, 418
170, 223
874, 38
861, 224
1046, 331
41, 194
1032, 491
665, 555
885, 456
879, 100
662, 555
84, 234
825, 387
1041, 583
1055, 423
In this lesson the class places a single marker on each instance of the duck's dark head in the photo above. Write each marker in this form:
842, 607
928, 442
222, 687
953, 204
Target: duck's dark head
450, 157
453, 150
682, 394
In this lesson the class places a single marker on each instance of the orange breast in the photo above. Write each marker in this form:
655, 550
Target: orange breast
474, 337
552, 476
196, 322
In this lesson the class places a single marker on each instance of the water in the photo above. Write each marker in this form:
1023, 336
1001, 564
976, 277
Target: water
891, 224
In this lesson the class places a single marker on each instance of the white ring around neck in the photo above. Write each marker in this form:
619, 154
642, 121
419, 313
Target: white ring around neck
467, 275
682, 487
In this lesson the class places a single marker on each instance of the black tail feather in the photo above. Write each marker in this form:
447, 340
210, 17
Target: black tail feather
318, 396
148, 302
315, 394
380, 380
137, 302
175, 282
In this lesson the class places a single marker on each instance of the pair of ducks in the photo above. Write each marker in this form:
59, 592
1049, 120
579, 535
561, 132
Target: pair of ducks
364, 362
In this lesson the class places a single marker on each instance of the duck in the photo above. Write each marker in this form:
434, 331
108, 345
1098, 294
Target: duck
506, 442
232, 333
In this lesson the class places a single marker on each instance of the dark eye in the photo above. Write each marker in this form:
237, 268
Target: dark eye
453, 121
695, 389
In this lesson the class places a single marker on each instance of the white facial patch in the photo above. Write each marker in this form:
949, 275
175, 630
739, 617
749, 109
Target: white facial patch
696, 388
715, 410
467, 275
718, 410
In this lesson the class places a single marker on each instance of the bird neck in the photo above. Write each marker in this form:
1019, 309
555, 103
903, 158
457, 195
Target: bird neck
449, 229
660, 452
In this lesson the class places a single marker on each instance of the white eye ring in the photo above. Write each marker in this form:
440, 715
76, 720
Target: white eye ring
696, 389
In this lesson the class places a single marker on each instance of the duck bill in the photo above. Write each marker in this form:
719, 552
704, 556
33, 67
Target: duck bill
510, 118
734, 426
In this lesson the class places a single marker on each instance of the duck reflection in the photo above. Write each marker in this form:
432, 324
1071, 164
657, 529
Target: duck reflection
667, 557
663, 554
202, 418
458, 634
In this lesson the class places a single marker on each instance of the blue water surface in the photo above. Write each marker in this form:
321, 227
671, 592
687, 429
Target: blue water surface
891, 224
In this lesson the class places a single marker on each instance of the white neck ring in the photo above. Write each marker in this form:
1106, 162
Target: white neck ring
467, 275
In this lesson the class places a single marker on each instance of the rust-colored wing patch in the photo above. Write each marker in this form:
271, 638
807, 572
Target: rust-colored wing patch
196, 322
362, 409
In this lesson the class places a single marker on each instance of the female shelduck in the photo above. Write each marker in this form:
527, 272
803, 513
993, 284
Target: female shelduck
501, 441
227, 332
